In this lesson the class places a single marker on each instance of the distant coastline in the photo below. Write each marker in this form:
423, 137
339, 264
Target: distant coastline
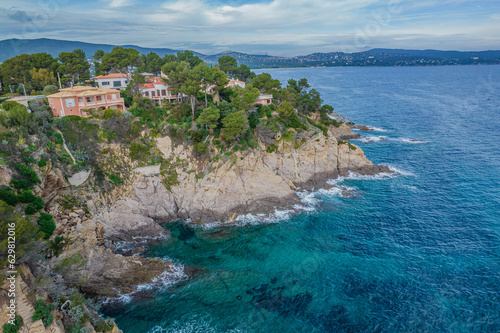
370, 58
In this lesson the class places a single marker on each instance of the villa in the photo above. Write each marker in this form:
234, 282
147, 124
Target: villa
157, 90
74, 100
115, 81
264, 99
235, 83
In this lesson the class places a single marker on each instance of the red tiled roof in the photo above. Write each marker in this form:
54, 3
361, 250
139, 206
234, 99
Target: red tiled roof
111, 76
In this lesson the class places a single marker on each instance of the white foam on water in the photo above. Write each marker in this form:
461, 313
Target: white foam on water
163, 281
371, 139
401, 171
412, 141
195, 324
253, 219
377, 129
169, 278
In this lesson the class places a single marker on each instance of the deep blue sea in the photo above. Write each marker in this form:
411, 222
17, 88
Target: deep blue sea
418, 252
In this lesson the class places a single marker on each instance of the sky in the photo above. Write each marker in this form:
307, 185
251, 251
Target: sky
275, 27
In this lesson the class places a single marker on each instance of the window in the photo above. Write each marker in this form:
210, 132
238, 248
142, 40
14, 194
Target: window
117, 83
146, 93
80, 100
113, 96
105, 83
70, 102
51, 101
164, 92
153, 94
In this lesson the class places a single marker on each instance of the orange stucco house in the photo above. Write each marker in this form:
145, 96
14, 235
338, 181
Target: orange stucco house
72, 101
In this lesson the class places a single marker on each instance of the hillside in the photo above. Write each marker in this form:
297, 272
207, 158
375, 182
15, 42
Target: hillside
375, 57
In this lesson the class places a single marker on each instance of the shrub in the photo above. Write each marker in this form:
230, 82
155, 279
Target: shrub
58, 138
47, 225
110, 113
138, 151
30, 209
8, 196
9, 328
115, 179
42, 311
272, 148
201, 148
25, 170
49, 90
42, 163
65, 158
18, 184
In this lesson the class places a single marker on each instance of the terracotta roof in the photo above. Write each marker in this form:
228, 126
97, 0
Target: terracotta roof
111, 76
80, 91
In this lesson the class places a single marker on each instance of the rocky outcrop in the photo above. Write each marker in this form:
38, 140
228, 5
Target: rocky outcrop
343, 132
5, 175
87, 261
340, 118
258, 182
52, 183
138, 214
251, 182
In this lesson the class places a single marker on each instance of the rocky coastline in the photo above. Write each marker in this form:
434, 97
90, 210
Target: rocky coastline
256, 182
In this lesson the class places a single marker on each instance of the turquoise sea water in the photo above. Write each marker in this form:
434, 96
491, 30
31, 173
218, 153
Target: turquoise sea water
419, 252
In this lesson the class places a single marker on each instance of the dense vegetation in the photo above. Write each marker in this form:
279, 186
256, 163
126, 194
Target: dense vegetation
214, 121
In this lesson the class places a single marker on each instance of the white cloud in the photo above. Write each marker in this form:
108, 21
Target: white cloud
280, 26
119, 3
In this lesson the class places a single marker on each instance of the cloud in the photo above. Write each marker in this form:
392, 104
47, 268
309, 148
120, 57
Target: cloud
120, 3
18, 15
281, 27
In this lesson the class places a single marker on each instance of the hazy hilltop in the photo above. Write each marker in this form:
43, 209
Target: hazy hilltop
375, 57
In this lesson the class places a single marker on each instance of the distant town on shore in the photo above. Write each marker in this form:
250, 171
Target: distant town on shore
374, 57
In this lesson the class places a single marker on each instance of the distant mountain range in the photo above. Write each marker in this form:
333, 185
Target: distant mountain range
375, 57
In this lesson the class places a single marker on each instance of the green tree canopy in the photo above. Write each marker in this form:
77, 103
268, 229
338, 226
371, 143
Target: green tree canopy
151, 63
74, 65
209, 117
265, 83
16, 69
246, 97
41, 78
235, 125
24, 232
119, 59
190, 58
98, 55
228, 64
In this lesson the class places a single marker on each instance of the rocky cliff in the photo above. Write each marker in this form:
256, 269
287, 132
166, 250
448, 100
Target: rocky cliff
251, 182
204, 191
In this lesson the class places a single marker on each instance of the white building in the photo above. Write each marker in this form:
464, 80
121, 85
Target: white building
235, 83
113, 81
157, 90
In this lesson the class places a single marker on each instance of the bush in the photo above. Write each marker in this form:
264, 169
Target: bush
49, 90
42, 311
65, 158
42, 163
30, 209
47, 225
138, 151
201, 148
26, 197
18, 184
59, 138
111, 113
115, 179
8, 328
8, 196
25, 170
